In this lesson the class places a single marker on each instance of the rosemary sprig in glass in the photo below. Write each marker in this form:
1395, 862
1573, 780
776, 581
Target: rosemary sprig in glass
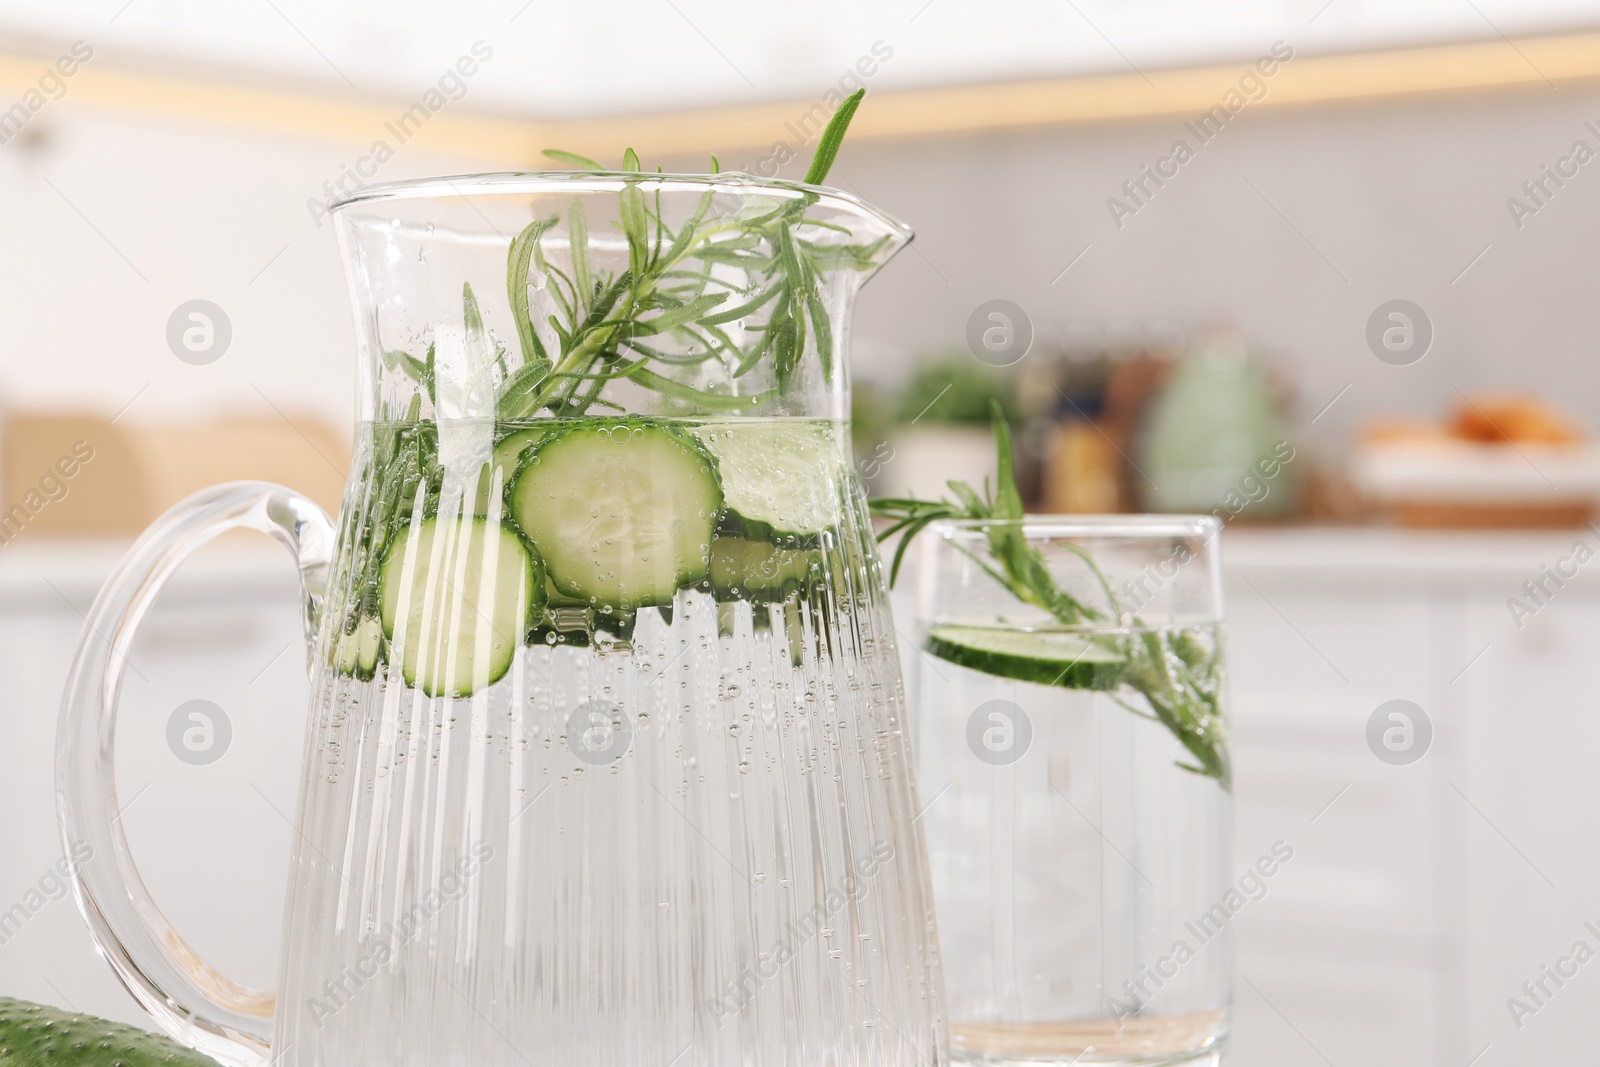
1170, 677
658, 313
677, 288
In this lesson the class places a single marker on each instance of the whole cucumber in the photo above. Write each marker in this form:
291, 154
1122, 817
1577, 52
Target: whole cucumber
34, 1035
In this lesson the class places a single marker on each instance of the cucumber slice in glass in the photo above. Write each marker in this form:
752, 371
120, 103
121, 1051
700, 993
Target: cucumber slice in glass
622, 511
755, 570
1044, 657
780, 480
506, 458
456, 595
358, 651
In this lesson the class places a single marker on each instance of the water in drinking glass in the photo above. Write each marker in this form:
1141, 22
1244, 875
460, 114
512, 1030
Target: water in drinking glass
1075, 780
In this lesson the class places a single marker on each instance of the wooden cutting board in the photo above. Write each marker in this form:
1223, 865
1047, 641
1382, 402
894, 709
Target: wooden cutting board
70, 475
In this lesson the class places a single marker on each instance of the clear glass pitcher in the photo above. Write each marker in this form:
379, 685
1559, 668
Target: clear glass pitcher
607, 760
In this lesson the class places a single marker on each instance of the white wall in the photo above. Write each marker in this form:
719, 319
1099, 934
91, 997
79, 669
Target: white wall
199, 212
1398, 198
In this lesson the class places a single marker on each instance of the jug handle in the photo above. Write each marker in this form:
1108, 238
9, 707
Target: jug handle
190, 1000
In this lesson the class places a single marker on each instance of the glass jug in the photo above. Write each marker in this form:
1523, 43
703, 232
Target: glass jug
607, 758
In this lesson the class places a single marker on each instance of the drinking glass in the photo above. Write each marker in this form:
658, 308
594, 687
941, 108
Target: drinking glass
1074, 774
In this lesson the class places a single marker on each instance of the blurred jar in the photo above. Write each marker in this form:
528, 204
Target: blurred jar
1215, 440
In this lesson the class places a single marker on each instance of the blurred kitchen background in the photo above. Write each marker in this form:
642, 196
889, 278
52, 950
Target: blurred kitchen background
1373, 258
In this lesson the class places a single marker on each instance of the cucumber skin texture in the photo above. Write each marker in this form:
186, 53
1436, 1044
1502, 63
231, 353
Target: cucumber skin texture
535, 592
358, 652
33, 1035
507, 458
1085, 674
736, 525
569, 590
756, 570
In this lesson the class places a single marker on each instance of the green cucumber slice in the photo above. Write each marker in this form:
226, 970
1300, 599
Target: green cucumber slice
555, 598
756, 570
780, 480
456, 596
358, 651
622, 510
1045, 657
507, 456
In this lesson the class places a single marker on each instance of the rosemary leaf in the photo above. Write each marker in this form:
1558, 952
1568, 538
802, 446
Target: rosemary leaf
578, 237
747, 308
429, 378
821, 329
698, 397
832, 137
412, 367
519, 260
572, 158
519, 393
691, 227
472, 319
676, 317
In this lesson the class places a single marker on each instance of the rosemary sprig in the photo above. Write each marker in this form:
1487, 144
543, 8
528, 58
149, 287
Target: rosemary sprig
1171, 678
669, 308
661, 309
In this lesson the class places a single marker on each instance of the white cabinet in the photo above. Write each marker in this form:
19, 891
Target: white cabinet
1530, 769
212, 842
1421, 898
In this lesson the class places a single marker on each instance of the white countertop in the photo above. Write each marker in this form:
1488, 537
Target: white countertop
77, 569
1389, 556
1412, 558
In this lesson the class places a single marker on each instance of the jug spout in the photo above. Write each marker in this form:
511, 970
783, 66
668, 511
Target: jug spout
558, 294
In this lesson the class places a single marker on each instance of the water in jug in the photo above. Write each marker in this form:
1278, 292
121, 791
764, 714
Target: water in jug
607, 758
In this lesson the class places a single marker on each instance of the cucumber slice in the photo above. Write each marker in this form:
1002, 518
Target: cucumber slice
506, 458
456, 596
755, 570
622, 510
780, 479
358, 651
555, 598
1045, 657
